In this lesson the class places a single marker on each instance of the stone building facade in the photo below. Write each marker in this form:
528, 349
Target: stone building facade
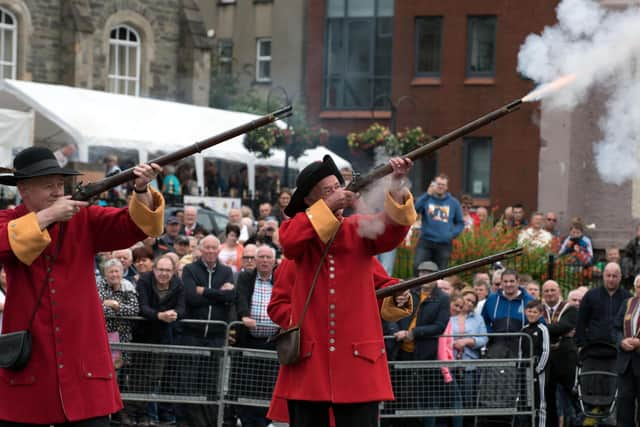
71, 42
260, 43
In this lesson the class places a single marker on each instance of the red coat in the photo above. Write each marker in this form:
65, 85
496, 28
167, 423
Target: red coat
343, 356
70, 374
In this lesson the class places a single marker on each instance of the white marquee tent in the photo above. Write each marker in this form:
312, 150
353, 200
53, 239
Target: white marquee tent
93, 118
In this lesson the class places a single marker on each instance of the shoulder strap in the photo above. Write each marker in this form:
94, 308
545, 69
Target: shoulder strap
56, 250
315, 277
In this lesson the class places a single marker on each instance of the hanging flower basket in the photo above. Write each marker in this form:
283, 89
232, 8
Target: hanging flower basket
407, 141
262, 140
370, 138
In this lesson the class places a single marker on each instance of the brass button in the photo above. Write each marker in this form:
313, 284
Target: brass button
331, 261
53, 291
332, 276
331, 269
60, 366
355, 353
332, 348
332, 332
332, 291
382, 351
332, 315
332, 323
332, 341
89, 374
332, 306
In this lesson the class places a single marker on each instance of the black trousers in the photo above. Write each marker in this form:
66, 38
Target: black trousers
303, 413
92, 422
628, 395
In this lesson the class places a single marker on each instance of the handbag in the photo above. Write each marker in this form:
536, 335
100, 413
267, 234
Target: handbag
15, 347
288, 340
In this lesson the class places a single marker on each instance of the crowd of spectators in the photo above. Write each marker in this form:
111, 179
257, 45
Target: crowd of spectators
188, 273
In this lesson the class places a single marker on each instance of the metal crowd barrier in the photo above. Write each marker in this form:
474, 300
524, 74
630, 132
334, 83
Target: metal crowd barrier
246, 377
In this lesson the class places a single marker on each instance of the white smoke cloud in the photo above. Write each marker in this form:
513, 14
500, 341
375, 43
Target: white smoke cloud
372, 200
602, 48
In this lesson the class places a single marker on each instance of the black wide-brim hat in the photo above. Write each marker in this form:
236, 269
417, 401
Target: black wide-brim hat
33, 162
307, 179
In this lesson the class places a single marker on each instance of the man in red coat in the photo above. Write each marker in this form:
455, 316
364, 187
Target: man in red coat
69, 379
342, 363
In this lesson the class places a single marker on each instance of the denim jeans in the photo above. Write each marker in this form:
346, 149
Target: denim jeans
431, 251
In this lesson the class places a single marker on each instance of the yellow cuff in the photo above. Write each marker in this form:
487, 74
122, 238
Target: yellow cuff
390, 312
26, 239
323, 220
404, 214
149, 221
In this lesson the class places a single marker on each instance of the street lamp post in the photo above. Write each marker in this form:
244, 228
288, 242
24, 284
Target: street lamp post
285, 177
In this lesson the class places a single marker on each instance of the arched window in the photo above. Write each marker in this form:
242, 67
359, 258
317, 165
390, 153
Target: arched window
124, 61
8, 44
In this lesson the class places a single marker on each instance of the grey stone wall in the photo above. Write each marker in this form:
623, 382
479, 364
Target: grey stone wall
67, 42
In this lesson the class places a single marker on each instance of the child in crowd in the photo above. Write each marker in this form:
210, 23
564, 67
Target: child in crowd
539, 334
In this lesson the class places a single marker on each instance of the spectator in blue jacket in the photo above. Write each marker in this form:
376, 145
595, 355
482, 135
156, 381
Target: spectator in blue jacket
442, 221
504, 312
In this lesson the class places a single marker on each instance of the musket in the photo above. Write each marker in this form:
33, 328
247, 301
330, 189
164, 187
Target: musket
92, 189
432, 277
379, 172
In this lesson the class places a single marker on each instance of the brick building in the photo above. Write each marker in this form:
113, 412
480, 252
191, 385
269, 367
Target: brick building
157, 49
453, 62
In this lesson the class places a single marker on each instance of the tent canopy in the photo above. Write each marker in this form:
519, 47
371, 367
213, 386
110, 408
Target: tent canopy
93, 118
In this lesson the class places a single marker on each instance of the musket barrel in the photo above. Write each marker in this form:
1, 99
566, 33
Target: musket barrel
93, 189
419, 281
381, 171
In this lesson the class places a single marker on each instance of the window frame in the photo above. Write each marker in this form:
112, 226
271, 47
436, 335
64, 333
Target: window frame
13, 28
467, 188
343, 77
492, 72
425, 18
126, 44
225, 60
260, 59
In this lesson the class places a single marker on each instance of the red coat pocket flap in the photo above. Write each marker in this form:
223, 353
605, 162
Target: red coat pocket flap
98, 368
17, 378
369, 350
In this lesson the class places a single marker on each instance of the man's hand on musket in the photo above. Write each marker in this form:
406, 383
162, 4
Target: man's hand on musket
401, 167
144, 175
340, 199
63, 209
403, 298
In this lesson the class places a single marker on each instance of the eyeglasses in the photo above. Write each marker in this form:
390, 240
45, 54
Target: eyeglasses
552, 219
249, 258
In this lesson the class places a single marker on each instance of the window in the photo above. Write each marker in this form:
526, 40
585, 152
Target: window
8, 45
225, 57
428, 45
481, 49
263, 60
357, 53
477, 166
124, 61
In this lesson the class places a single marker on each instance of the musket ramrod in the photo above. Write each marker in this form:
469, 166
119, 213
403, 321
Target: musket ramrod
379, 172
432, 277
86, 192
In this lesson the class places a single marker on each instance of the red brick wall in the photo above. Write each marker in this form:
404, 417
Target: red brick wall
441, 108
